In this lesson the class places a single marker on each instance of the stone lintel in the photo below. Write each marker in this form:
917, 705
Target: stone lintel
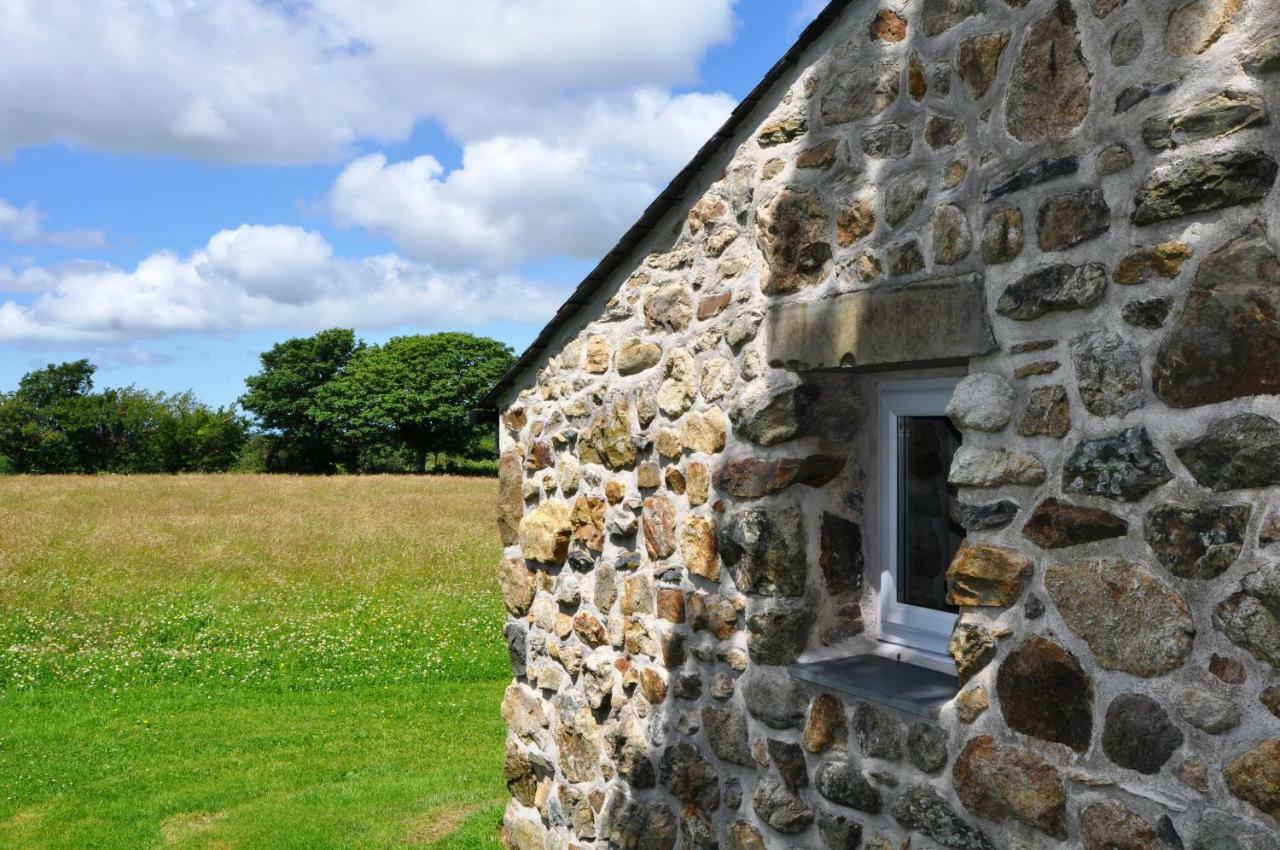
911, 324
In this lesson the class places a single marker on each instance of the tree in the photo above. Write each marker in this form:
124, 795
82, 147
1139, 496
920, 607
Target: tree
417, 391
283, 398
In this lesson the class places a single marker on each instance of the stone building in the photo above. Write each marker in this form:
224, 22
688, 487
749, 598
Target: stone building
909, 475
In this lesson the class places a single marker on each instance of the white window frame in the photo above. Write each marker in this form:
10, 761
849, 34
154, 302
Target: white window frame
911, 626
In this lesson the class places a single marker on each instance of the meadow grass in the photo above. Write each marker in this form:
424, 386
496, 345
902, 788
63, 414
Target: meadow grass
249, 662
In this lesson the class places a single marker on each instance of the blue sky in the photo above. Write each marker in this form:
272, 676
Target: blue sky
209, 178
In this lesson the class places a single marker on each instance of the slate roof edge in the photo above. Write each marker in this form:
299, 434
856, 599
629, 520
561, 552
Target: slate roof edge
667, 200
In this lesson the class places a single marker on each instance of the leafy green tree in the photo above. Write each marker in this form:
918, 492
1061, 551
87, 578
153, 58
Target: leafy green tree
283, 398
415, 391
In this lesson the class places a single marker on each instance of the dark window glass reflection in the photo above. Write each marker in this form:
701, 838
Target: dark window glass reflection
927, 536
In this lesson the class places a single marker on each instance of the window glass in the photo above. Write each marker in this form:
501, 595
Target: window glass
927, 536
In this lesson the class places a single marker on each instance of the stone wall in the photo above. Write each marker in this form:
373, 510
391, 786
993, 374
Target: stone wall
1073, 203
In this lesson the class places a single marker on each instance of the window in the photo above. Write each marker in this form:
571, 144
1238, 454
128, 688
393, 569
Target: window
918, 537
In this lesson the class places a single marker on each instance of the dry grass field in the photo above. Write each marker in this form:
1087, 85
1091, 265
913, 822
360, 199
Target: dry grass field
249, 662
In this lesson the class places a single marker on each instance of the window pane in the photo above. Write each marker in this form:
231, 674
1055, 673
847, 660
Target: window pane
927, 536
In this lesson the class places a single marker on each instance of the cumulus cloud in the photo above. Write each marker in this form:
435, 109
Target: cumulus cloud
25, 226
569, 190
286, 82
257, 277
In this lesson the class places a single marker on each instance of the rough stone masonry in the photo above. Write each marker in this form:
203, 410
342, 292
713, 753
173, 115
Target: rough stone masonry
1071, 202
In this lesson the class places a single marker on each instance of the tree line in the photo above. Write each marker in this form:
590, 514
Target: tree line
323, 404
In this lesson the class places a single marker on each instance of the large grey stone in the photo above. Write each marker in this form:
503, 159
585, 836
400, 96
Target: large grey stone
768, 416
780, 807
1223, 114
998, 782
843, 782
1124, 466
1251, 617
1221, 831
917, 323
765, 550
689, 777
1226, 342
1138, 733
778, 633
1053, 288
727, 735
923, 810
1197, 541
1200, 184
1240, 452
938, 16
1048, 94
973, 467
774, 698
794, 232
1129, 618
857, 90
982, 401
1108, 372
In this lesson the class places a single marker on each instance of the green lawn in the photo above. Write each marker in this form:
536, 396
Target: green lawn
249, 662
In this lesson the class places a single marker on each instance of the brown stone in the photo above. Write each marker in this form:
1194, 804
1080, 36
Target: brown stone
510, 497
635, 356
713, 613
1048, 94
1129, 618
978, 60
1069, 219
1226, 342
518, 587
782, 130
607, 440
588, 521
952, 240
794, 233
668, 443
598, 354
888, 26
1270, 531
671, 604
1110, 826
971, 704
539, 456
545, 533
713, 305
653, 682
669, 308
1002, 236
753, 478
999, 782
1164, 260
941, 131
855, 221
698, 547
1228, 670
972, 647
1193, 774
705, 431
983, 574
659, 526
1254, 776
917, 86
826, 726
1040, 367
819, 156
1056, 525
709, 208
674, 480
648, 475
1045, 693
1048, 413
589, 629
1196, 26
697, 483
1270, 699
615, 491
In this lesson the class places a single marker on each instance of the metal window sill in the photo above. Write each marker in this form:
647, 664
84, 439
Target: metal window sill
874, 678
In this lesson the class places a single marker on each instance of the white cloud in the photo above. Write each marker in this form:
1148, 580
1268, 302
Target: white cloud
569, 189
258, 277
292, 81
25, 226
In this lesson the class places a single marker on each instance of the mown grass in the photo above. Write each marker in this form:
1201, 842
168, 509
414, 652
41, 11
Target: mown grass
249, 662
